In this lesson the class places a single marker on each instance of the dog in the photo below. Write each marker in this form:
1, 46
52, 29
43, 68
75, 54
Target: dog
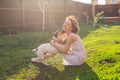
59, 37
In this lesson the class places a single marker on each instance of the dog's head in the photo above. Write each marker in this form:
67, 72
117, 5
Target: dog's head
58, 33
59, 36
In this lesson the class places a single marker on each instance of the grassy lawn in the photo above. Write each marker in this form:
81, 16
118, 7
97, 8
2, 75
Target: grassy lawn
102, 49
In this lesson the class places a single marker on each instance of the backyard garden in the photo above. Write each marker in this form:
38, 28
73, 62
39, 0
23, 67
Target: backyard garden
102, 45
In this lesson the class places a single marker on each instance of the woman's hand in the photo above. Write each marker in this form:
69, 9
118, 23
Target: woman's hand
60, 47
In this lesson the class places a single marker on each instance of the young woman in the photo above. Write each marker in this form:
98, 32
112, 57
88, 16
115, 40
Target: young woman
72, 51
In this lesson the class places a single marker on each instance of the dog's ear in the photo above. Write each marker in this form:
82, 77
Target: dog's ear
56, 33
62, 31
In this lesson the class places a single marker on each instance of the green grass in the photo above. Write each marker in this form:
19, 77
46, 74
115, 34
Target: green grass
102, 49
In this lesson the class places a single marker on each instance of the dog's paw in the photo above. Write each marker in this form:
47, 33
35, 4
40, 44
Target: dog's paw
36, 60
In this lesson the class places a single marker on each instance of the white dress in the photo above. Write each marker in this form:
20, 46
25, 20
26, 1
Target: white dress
76, 56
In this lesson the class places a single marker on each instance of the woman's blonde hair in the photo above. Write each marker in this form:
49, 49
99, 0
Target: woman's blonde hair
74, 23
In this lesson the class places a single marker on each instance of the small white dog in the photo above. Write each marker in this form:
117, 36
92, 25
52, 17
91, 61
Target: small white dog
59, 36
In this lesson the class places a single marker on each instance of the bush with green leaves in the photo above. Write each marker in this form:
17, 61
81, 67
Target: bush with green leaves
98, 17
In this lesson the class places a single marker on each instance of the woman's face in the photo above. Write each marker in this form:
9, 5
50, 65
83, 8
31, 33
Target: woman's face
67, 27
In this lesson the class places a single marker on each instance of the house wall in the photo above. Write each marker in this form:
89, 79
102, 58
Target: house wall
109, 2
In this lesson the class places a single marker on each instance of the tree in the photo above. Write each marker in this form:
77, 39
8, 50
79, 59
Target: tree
96, 18
42, 8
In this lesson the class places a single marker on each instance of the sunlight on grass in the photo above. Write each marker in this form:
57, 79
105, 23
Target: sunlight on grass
102, 48
26, 73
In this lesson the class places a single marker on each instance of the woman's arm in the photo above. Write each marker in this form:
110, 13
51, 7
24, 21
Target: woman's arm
64, 48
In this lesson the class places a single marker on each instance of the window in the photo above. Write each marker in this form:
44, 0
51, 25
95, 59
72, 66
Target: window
113, 1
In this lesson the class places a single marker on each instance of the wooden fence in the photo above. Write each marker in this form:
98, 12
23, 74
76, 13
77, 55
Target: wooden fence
110, 10
25, 15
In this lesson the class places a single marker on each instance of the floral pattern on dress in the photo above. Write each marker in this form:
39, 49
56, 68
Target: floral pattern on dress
76, 56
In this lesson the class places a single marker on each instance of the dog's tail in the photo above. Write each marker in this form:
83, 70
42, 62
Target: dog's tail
34, 50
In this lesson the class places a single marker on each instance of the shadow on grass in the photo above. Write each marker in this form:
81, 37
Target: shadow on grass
85, 29
83, 72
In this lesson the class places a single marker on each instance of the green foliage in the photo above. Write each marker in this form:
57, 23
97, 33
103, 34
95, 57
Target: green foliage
102, 52
98, 17
26, 73
102, 62
24, 39
85, 29
16, 51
